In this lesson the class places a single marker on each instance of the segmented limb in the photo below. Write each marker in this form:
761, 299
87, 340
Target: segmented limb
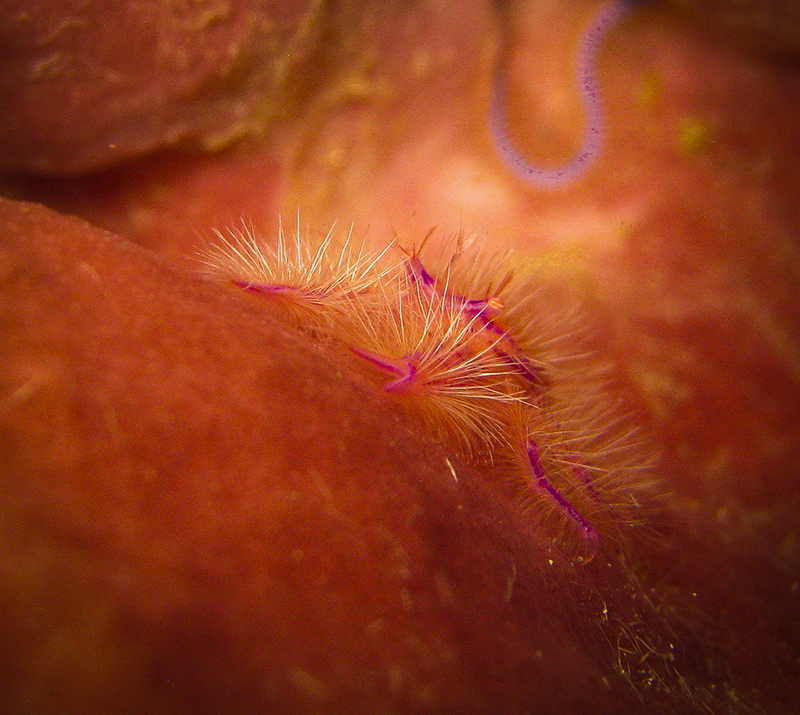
586, 530
480, 315
403, 368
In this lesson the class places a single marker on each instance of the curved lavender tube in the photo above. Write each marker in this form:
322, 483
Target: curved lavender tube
605, 18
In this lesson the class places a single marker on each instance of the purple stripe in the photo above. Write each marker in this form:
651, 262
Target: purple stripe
586, 529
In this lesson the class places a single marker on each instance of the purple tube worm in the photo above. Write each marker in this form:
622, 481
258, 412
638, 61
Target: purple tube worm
605, 18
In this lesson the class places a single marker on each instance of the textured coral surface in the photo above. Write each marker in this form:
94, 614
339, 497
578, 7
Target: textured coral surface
209, 510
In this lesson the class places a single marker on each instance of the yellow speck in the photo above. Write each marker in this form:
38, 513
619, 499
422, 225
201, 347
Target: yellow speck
694, 136
209, 14
512, 579
219, 141
443, 588
310, 685
650, 89
47, 67
22, 393
395, 678
335, 158
376, 626
562, 261
421, 63
357, 88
